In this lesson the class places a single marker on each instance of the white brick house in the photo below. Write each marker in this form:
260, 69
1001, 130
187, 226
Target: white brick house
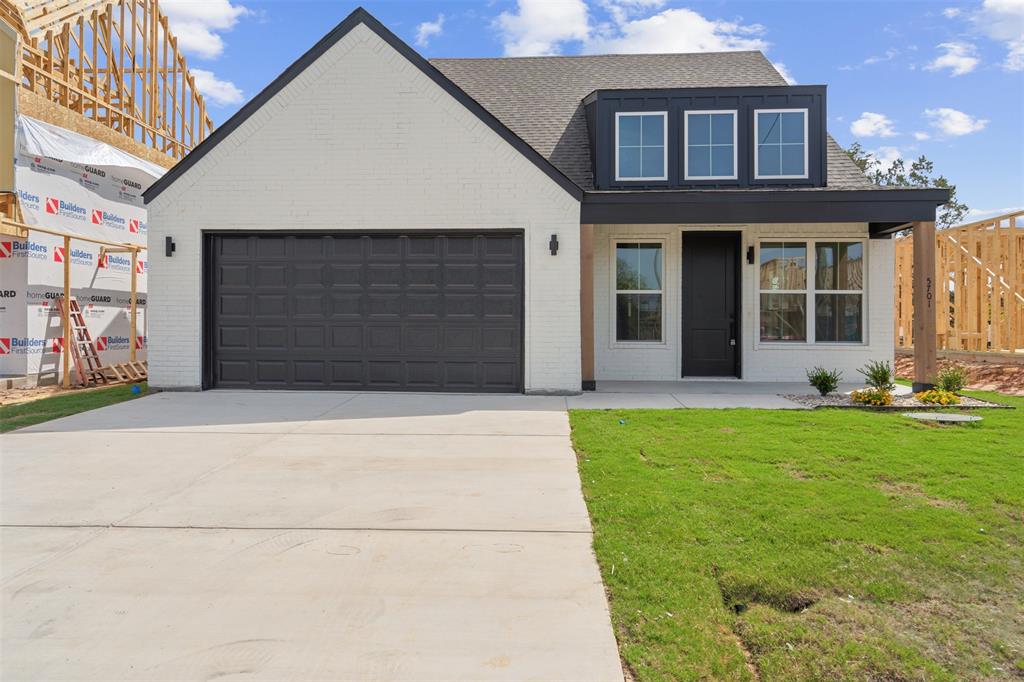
376, 221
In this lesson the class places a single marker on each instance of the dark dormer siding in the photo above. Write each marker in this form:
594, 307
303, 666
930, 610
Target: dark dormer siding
602, 105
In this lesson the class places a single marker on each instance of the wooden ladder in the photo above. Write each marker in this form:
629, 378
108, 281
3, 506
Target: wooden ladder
83, 349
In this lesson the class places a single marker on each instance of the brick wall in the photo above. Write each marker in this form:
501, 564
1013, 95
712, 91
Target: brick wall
363, 140
760, 361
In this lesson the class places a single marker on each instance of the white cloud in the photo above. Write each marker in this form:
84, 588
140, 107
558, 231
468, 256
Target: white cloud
216, 90
784, 72
885, 157
959, 58
982, 213
921, 135
951, 12
428, 30
543, 27
539, 27
198, 24
871, 124
677, 30
952, 122
1003, 21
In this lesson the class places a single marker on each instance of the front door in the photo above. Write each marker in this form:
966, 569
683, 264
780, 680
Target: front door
709, 314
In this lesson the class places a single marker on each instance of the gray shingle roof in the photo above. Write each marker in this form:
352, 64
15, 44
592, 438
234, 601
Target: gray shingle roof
540, 98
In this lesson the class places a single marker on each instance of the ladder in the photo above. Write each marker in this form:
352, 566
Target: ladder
83, 349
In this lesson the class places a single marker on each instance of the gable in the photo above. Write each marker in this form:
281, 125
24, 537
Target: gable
251, 112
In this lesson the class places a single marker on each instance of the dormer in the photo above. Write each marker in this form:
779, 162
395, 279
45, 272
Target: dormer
708, 138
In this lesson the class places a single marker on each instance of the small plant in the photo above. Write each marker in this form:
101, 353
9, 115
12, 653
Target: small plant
825, 380
879, 375
872, 396
938, 396
952, 379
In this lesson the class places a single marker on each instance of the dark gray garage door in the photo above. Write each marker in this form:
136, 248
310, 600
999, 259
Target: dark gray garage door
418, 312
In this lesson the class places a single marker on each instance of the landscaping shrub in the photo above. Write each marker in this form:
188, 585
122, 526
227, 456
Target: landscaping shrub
938, 396
879, 375
872, 396
825, 380
952, 378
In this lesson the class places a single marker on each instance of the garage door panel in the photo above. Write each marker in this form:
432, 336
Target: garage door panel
427, 311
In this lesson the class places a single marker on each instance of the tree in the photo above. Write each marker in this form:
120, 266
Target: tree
918, 175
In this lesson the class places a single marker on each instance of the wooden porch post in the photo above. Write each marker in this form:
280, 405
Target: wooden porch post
587, 307
132, 315
65, 352
928, 296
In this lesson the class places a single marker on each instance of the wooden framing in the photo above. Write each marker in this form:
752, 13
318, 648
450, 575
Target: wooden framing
980, 287
22, 231
114, 62
587, 306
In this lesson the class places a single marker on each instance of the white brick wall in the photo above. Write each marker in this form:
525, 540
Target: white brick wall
363, 140
760, 362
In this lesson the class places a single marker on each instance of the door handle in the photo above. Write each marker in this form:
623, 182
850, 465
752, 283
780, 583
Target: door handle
732, 333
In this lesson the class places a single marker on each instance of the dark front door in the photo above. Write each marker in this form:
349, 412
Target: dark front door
710, 314
392, 312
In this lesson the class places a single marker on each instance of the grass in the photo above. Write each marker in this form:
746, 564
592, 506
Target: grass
833, 544
26, 414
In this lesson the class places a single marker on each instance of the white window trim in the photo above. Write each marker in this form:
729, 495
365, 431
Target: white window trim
614, 308
810, 292
664, 123
757, 145
686, 145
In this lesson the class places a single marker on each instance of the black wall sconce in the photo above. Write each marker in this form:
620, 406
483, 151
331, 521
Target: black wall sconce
169, 246
750, 255
553, 245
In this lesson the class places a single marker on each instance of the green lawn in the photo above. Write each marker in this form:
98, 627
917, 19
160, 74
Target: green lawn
43, 410
833, 544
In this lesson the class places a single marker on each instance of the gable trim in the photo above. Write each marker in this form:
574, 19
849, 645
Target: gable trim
360, 16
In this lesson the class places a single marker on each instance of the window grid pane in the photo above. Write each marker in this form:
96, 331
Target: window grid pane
839, 266
638, 317
641, 146
783, 266
781, 144
783, 317
838, 318
710, 145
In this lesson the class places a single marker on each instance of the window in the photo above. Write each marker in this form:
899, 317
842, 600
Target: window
638, 291
781, 149
640, 149
710, 138
835, 293
839, 291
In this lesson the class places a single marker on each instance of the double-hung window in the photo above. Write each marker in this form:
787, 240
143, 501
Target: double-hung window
834, 293
639, 291
710, 141
781, 143
640, 149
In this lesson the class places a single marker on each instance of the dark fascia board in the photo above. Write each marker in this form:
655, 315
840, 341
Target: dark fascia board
360, 16
886, 208
698, 91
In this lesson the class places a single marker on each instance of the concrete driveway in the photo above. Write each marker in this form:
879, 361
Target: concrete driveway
300, 536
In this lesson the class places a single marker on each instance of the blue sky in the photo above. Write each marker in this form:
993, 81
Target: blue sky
943, 79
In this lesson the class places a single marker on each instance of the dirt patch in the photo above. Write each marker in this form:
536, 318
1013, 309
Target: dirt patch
912, 490
1002, 377
16, 396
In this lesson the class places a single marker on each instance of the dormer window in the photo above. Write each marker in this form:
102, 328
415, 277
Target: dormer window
710, 140
640, 149
781, 150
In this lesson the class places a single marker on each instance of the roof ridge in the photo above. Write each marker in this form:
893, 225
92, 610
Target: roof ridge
592, 56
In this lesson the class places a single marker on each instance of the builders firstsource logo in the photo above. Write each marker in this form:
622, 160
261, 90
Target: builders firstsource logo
140, 267
65, 209
108, 219
23, 250
112, 342
78, 256
28, 200
115, 263
24, 345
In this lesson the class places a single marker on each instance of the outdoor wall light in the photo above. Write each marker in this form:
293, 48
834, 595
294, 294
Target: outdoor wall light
553, 245
169, 246
750, 255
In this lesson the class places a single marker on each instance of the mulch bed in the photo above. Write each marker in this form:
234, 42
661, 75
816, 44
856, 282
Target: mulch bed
899, 402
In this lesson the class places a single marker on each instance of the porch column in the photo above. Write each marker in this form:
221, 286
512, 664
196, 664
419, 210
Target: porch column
587, 306
926, 293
